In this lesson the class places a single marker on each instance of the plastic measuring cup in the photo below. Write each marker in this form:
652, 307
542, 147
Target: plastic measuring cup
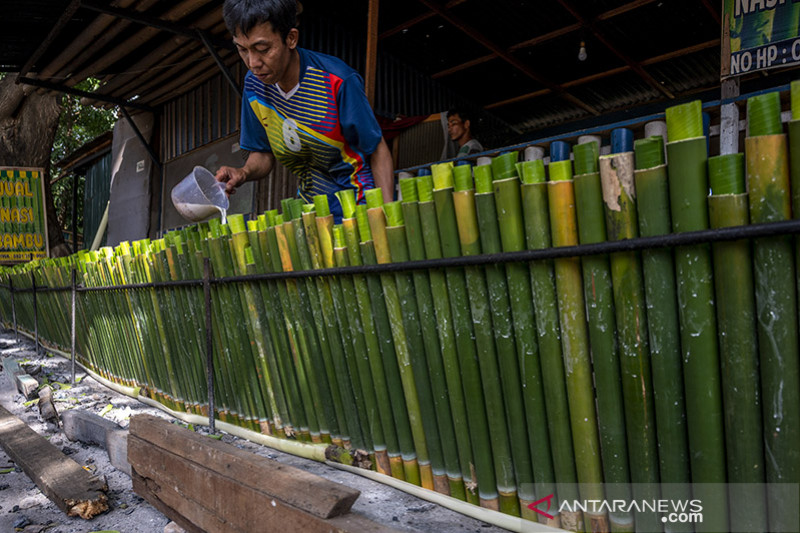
199, 196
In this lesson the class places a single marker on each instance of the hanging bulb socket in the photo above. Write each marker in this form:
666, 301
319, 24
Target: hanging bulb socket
582, 52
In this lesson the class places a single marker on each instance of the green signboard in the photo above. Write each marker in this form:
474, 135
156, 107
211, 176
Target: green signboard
759, 35
23, 223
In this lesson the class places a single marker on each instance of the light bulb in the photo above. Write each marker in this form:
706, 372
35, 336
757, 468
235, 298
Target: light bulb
582, 52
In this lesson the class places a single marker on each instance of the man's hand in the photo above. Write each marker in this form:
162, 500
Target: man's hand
258, 166
232, 177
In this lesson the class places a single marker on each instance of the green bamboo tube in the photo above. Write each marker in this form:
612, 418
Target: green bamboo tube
575, 344
384, 332
652, 194
300, 335
451, 225
419, 347
504, 166
259, 367
416, 411
372, 344
328, 360
306, 336
361, 356
602, 328
537, 237
320, 230
688, 187
736, 317
325, 298
479, 233
434, 349
619, 197
509, 221
776, 301
273, 311
455, 331
241, 361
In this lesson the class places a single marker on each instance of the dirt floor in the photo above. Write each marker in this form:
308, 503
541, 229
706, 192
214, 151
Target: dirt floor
24, 508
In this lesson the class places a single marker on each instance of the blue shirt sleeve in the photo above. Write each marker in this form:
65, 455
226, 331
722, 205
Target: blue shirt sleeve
359, 126
252, 135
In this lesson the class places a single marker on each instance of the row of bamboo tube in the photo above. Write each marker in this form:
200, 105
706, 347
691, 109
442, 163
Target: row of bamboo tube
629, 375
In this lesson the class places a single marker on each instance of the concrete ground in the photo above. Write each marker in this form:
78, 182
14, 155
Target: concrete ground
24, 508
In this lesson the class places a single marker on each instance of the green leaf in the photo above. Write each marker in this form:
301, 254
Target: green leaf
31, 402
106, 410
7, 470
215, 437
62, 386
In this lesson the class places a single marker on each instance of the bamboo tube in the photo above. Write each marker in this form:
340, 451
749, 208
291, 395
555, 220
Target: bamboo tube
575, 344
463, 373
450, 225
510, 354
652, 193
326, 295
306, 335
266, 377
384, 331
417, 411
619, 197
360, 300
418, 347
733, 280
688, 187
776, 301
433, 348
602, 328
537, 236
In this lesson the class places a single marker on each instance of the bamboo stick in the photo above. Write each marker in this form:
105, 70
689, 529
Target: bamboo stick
766, 156
575, 344
463, 374
733, 280
688, 188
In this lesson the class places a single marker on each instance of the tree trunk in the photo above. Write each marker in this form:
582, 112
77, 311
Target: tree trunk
28, 123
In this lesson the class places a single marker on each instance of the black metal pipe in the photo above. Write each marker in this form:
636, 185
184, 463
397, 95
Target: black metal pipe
72, 334
209, 343
13, 309
35, 313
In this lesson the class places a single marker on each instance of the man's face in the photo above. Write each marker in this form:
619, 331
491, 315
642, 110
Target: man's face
456, 127
265, 53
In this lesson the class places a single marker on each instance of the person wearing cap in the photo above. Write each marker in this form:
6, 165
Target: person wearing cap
305, 109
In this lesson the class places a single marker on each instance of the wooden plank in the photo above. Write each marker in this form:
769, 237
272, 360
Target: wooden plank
61, 479
372, 50
161, 499
215, 502
311, 493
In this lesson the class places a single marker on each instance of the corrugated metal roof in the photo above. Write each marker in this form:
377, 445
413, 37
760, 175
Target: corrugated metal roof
511, 57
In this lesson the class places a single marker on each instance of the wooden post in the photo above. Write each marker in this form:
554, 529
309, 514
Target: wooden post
209, 343
372, 51
74, 213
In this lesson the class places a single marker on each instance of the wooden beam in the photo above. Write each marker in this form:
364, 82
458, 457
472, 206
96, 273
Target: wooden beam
636, 67
416, 20
713, 11
462, 66
215, 487
61, 479
308, 492
608, 73
85, 94
623, 9
177, 12
370, 72
506, 56
54, 32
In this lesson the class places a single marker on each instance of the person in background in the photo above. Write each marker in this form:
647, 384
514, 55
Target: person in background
459, 129
305, 109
